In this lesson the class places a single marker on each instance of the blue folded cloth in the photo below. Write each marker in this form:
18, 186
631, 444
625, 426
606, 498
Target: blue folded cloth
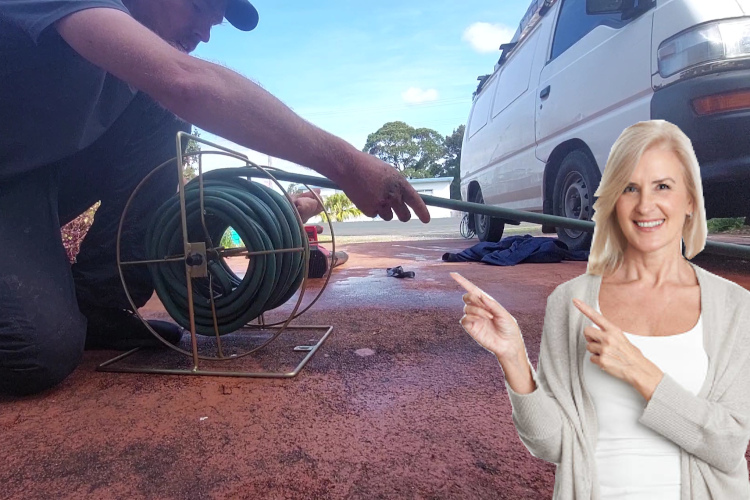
516, 249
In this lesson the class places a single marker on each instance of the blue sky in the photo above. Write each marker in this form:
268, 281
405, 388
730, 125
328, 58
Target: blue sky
349, 67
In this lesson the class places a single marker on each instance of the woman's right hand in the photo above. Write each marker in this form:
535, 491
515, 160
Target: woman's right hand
493, 327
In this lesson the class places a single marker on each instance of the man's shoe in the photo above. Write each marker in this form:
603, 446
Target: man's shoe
122, 330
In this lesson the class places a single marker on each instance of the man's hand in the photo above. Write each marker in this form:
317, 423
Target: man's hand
307, 204
377, 188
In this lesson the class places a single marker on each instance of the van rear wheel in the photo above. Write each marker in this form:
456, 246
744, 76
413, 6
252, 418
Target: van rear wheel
573, 196
487, 228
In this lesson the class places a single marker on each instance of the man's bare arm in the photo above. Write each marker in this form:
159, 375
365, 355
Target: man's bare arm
223, 102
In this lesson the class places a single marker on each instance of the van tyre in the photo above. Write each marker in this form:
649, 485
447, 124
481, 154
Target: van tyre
487, 228
573, 196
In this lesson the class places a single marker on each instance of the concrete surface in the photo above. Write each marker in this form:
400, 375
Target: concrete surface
398, 403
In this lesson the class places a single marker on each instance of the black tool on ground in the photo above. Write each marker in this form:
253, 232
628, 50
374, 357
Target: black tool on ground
319, 256
398, 272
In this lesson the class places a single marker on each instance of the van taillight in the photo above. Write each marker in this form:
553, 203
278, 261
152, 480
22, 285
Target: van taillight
721, 103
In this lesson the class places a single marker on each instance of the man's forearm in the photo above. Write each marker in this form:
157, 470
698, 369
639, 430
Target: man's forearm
225, 103
205, 94
259, 120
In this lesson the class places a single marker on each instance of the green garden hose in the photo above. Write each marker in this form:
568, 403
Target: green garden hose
264, 220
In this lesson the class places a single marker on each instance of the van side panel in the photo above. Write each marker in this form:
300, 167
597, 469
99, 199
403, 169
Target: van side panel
473, 159
501, 156
513, 80
598, 86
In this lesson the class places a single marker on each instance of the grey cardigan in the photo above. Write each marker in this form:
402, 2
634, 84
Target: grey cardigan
557, 422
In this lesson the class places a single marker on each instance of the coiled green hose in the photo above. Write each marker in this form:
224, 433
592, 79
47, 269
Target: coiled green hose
264, 220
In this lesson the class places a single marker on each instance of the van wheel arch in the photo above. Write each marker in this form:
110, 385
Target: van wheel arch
553, 167
471, 193
486, 228
577, 179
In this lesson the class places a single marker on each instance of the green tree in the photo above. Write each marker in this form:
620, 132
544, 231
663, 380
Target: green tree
226, 239
190, 163
340, 207
451, 167
415, 152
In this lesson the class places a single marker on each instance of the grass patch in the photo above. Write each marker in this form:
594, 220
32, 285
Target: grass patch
724, 225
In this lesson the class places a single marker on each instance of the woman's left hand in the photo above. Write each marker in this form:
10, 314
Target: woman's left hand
613, 353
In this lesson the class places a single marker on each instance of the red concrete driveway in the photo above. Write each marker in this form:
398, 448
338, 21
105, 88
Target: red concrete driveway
398, 403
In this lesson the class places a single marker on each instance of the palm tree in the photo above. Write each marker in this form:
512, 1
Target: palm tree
340, 207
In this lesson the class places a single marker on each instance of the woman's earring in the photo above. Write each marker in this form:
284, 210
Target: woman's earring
690, 215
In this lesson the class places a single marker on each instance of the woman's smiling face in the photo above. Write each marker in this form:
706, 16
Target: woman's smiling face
651, 211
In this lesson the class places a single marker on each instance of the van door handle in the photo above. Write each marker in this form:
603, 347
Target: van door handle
544, 93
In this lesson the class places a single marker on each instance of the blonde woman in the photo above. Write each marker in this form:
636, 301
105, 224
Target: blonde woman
642, 390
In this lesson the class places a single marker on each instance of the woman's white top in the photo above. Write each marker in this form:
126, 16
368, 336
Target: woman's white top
634, 462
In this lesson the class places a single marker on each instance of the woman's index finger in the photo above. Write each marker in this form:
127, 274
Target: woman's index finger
473, 289
469, 286
466, 284
592, 314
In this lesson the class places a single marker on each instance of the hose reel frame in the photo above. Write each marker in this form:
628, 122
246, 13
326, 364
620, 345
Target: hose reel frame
195, 258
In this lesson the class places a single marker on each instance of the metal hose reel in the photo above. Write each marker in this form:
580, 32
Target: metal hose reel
264, 220
202, 293
196, 284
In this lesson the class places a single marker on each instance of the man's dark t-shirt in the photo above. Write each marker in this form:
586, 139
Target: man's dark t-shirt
53, 102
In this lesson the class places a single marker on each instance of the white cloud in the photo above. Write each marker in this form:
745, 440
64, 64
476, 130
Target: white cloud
486, 37
415, 95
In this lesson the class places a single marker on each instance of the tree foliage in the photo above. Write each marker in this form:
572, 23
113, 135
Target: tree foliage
419, 152
340, 207
413, 151
190, 163
452, 165
295, 188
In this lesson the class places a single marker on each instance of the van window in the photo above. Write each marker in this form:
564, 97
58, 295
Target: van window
573, 24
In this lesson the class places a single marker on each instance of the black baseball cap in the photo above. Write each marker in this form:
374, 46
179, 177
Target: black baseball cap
241, 14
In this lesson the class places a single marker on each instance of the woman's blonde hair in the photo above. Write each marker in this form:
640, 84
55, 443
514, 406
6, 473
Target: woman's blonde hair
608, 243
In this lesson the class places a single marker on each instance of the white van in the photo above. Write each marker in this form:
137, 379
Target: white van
577, 73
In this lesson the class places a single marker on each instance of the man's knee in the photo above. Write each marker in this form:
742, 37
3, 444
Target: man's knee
37, 357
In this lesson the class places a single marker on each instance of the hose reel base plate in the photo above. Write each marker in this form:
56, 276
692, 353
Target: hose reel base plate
128, 363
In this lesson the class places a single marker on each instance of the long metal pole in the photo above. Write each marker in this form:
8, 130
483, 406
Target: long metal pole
714, 247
